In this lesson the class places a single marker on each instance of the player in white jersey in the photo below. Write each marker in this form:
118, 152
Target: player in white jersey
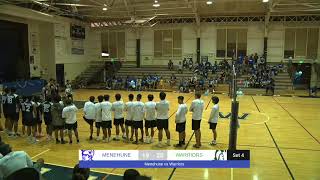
162, 109
98, 116
197, 110
213, 119
129, 118
138, 116
106, 123
150, 119
70, 115
117, 108
89, 116
181, 121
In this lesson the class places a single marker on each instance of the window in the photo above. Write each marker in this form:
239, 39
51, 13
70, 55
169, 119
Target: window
230, 41
113, 43
301, 43
167, 43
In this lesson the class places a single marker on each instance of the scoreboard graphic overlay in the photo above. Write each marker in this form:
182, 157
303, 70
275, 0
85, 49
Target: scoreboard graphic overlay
164, 159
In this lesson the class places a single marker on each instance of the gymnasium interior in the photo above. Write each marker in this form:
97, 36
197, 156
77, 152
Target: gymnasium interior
261, 58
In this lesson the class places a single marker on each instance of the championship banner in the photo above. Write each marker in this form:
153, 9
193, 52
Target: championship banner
164, 159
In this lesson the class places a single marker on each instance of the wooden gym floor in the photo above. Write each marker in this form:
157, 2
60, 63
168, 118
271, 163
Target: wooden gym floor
282, 134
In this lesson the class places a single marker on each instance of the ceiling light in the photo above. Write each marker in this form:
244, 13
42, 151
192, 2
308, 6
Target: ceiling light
156, 5
155, 1
105, 9
209, 2
265, 1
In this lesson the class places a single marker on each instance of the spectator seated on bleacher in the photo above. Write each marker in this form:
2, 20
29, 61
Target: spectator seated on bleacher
12, 161
80, 173
170, 65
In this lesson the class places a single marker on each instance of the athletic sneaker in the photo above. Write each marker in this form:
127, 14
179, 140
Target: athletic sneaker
116, 139
178, 145
104, 140
98, 138
135, 142
168, 142
159, 145
213, 143
124, 136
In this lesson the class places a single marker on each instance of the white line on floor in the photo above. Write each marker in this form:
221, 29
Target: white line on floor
40, 153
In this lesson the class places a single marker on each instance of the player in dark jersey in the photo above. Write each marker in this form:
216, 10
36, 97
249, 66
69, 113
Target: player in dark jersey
48, 117
23, 110
13, 112
5, 108
39, 113
30, 119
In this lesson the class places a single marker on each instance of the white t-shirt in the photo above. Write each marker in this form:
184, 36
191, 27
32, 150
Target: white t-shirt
150, 108
214, 115
70, 114
138, 111
129, 109
181, 113
162, 109
89, 110
106, 108
197, 109
118, 107
98, 112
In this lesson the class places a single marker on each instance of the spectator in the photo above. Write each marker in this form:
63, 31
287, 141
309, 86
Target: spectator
130, 174
180, 67
80, 173
173, 80
12, 161
170, 65
185, 63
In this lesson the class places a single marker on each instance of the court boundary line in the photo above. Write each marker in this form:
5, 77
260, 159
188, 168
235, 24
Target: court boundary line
40, 153
296, 121
174, 169
274, 141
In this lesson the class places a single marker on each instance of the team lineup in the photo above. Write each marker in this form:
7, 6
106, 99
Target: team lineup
60, 115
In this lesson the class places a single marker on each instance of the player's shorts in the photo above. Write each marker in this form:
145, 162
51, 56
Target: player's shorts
150, 124
58, 127
73, 126
30, 122
181, 127
117, 122
213, 126
98, 124
89, 121
138, 124
13, 116
196, 124
162, 124
128, 122
106, 124
47, 119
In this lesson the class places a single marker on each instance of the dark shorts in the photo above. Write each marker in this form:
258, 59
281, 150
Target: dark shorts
213, 126
118, 122
47, 119
106, 124
89, 121
73, 126
128, 122
30, 122
58, 127
13, 116
162, 124
5, 112
150, 124
98, 124
137, 124
196, 124
181, 127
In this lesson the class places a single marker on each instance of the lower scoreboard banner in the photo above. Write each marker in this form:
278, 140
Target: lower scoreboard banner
164, 159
